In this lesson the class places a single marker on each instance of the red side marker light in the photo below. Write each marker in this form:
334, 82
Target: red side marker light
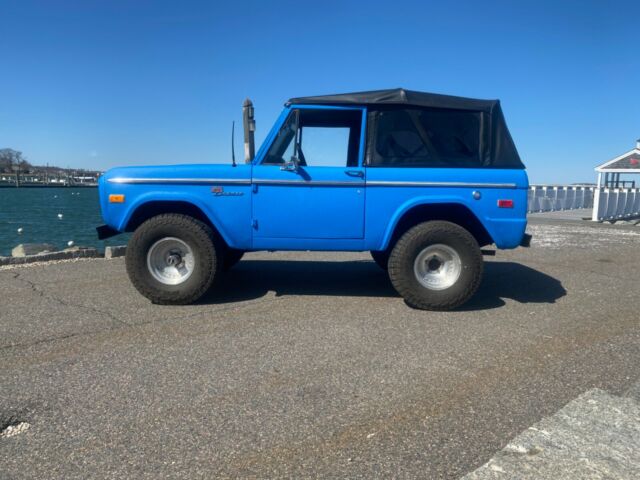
505, 203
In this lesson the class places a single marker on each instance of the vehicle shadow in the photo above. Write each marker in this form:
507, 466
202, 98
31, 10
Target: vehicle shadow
252, 279
502, 280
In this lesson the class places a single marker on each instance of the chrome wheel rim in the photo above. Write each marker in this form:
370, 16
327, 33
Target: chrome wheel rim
437, 267
170, 261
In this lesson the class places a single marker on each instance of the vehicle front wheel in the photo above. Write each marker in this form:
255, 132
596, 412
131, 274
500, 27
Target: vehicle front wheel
171, 259
436, 265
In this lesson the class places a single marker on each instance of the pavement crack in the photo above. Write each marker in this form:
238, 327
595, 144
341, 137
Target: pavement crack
120, 324
52, 339
35, 288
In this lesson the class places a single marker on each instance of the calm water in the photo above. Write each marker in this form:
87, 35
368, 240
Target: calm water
36, 211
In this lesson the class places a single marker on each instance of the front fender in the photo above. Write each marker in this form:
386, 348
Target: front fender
121, 214
169, 197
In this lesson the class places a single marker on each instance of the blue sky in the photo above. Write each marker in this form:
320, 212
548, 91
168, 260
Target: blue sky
96, 84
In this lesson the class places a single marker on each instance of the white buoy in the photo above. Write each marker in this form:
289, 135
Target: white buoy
60, 216
20, 230
55, 196
70, 243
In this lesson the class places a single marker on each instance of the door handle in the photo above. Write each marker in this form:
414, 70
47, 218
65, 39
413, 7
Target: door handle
355, 173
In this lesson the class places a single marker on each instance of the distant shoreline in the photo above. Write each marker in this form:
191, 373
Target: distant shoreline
31, 185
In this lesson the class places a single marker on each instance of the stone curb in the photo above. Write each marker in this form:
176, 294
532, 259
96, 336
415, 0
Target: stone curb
109, 253
115, 252
49, 256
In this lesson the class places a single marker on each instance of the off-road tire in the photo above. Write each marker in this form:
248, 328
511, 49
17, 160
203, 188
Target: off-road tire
231, 257
405, 251
381, 257
194, 233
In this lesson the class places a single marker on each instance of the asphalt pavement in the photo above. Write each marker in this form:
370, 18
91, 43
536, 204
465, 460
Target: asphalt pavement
307, 365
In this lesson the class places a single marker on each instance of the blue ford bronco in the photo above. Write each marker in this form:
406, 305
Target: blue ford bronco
422, 181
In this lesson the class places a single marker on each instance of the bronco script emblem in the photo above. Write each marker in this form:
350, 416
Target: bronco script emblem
219, 192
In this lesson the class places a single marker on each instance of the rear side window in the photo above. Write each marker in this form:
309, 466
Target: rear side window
427, 138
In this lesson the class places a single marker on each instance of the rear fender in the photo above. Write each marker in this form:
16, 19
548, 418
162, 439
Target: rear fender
428, 200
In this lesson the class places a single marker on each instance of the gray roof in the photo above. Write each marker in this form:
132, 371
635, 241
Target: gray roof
628, 161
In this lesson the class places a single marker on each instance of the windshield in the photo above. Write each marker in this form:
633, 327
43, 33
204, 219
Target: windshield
281, 149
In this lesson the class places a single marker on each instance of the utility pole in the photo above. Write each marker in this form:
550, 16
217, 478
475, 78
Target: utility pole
249, 125
17, 169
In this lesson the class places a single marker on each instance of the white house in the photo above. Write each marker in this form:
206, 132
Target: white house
617, 198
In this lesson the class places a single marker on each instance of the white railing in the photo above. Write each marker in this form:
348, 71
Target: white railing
616, 204
549, 198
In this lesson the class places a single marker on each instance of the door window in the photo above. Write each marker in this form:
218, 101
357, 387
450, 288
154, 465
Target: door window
318, 138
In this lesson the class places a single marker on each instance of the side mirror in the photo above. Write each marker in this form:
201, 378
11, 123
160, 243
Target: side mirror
292, 166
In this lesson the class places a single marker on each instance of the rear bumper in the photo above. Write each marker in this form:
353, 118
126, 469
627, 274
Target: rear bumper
105, 231
526, 240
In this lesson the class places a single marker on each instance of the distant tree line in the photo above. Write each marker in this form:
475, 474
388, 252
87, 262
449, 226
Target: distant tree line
16, 170
12, 161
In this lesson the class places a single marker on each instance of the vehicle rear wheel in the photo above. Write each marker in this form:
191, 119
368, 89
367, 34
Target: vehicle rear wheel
381, 257
171, 259
436, 266
231, 257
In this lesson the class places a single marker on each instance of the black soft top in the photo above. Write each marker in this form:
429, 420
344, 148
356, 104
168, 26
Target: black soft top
399, 96
498, 150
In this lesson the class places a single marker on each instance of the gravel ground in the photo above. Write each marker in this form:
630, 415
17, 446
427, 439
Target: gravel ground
308, 364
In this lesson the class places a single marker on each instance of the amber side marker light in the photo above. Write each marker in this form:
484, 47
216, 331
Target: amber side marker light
505, 203
116, 198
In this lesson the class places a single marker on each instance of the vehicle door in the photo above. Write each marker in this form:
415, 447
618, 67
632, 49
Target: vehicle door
309, 183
